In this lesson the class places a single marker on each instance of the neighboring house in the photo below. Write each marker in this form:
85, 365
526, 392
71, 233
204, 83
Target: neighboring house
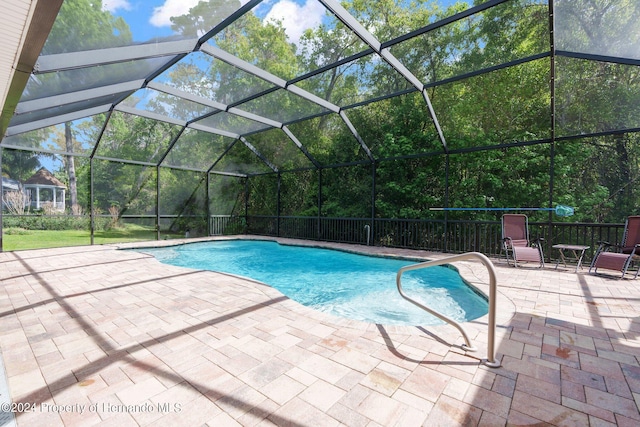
9, 185
43, 189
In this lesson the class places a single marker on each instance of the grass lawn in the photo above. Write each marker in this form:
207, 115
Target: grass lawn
18, 239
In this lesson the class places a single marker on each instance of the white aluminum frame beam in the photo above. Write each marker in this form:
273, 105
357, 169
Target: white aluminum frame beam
170, 90
209, 129
355, 133
92, 58
52, 121
258, 154
70, 98
302, 148
254, 117
150, 115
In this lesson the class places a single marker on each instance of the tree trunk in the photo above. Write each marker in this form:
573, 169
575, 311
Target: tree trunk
71, 166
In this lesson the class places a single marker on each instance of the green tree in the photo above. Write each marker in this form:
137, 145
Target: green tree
85, 25
203, 17
17, 164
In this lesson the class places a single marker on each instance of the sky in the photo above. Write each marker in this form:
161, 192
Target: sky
150, 18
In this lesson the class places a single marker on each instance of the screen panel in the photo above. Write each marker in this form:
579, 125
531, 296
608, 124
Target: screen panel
280, 150
131, 137
409, 188
164, 104
346, 192
65, 81
359, 80
329, 140
226, 194
403, 126
508, 105
203, 75
183, 203
197, 150
598, 27
282, 106
241, 160
228, 122
593, 96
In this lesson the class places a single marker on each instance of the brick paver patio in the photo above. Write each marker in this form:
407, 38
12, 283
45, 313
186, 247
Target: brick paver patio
98, 336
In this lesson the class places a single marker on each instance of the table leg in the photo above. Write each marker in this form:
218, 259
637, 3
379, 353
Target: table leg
562, 258
580, 260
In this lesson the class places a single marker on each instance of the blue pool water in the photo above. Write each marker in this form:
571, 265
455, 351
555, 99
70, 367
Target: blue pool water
343, 284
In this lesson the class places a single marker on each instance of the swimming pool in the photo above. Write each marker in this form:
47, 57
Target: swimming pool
340, 283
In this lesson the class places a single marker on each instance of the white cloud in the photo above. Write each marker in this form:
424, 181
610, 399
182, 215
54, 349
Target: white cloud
113, 5
296, 18
161, 14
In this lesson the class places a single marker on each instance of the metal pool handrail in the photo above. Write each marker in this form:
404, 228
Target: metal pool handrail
491, 362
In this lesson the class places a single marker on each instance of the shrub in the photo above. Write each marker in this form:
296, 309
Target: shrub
16, 231
46, 222
14, 202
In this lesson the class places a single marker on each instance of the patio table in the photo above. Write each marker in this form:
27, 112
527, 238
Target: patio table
574, 253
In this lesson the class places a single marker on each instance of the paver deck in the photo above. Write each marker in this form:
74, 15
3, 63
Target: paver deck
99, 336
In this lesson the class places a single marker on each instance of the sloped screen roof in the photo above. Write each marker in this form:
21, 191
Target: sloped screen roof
225, 74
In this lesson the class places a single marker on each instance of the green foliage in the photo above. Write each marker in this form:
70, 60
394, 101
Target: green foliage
54, 222
16, 231
409, 187
45, 222
226, 195
237, 226
131, 187
84, 25
203, 16
263, 195
346, 192
262, 44
17, 164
